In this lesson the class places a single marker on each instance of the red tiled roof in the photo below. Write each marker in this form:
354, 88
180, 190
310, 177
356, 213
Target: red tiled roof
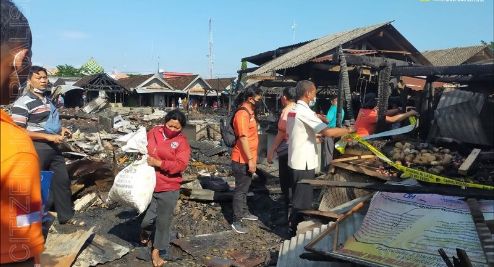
168, 74
418, 84
134, 81
180, 83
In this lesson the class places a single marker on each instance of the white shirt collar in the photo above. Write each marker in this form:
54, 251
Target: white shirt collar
303, 103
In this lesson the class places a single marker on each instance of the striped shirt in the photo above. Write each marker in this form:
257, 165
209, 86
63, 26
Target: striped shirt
31, 113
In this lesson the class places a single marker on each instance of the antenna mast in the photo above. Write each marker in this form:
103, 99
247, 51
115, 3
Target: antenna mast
211, 44
294, 25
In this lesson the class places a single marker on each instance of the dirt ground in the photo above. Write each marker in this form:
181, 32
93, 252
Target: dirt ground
121, 225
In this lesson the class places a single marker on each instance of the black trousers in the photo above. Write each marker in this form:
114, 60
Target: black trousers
51, 159
286, 181
327, 152
243, 178
161, 211
302, 197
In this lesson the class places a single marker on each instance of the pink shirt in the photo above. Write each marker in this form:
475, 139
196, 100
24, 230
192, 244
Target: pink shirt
283, 118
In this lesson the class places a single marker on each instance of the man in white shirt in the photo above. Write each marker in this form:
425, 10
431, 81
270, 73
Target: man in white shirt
302, 127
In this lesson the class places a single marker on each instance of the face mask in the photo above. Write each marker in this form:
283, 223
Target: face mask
312, 102
169, 134
257, 104
36, 90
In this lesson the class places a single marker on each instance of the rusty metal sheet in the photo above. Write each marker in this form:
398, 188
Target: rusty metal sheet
99, 250
62, 249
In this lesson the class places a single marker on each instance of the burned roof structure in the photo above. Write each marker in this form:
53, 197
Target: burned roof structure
93, 84
309, 60
353, 62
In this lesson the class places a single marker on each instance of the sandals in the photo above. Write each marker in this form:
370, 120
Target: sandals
75, 222
144, 236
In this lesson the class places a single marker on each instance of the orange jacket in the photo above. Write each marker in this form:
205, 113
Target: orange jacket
244, 124
20, 231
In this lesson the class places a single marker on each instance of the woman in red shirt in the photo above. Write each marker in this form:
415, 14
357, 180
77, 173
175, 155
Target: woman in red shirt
169, 154
367, 116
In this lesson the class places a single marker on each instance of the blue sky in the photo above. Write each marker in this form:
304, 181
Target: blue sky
129, 36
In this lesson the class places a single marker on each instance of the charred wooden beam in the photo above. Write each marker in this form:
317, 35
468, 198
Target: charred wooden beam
362, 169
442, 190
443, 70
384, 93
247, 70
345, 84
374, 62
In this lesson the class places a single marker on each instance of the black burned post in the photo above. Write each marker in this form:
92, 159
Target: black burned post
426, 111
383, 96
344, 83
341, 93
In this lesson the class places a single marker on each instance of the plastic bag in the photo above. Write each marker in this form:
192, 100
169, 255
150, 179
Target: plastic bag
137, 142
134, 185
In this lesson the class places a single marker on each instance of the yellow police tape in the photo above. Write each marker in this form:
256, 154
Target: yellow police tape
340, 145
417, 174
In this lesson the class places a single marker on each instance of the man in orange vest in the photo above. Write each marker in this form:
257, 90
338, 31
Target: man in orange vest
21, 219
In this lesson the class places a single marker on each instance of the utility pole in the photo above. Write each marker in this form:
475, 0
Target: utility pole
210, 55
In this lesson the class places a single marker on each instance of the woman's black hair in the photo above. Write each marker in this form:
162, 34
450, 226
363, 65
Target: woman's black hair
250, 91
289, 93
369, 101
36, 69
178, 115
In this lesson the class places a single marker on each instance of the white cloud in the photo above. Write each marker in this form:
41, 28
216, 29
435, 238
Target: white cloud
74, 35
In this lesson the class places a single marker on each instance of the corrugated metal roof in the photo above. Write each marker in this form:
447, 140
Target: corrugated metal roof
315, 48
457, 116
452, 96
452, 56
291, 250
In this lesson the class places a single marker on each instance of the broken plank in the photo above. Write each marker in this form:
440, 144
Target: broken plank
363, 170
442, 190
322, 213
210, 195
76, 188
463, 170
85, 201
98, 250
358, 152
355, 158
62, 249
486, 155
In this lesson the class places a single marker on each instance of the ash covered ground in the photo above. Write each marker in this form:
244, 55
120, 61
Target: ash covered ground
121, 224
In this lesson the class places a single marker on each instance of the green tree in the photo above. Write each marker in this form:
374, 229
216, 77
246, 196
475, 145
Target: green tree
244, 75
490, 44
68, 71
